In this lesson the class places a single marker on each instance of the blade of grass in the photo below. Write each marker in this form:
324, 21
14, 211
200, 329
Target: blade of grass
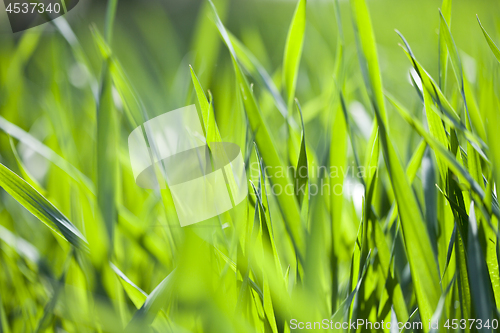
478, 272
288, 204
367, 54
40, 207
453, 52
253, 66
49, 154
25, 173
378, 240
154, 302
210, 127
492, 45
423, 268
107, 137
419, 250
437, 130
293, 50
448, 113
302, 179
439, 149
443, 51
338, 161
136, 294
411, 172
107, 146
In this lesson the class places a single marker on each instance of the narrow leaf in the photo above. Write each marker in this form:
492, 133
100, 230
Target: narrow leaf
40, 207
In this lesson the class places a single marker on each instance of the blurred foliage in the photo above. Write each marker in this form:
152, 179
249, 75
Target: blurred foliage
306, 84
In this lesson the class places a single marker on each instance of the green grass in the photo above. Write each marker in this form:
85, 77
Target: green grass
406, 230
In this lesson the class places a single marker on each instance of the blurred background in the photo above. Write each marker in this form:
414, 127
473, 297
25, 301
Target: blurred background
156, 40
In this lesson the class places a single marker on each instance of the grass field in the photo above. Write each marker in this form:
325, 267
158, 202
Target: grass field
368, 134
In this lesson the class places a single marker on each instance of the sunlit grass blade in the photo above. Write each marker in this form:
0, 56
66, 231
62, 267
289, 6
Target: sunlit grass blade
437, 130
48, 153
108, 132
133, 104
476, 117
110, 19
417, 243
40, 207
136, 294
107, 145
210, 128
376, 239
442, 151
367, 54
25, 173
338, 160
302, 169
443, 51
339, 56
429, 181
448, 113
154, 302
473, 160
269, 252
394, 291
412, 169
293, 50
418, 248
268, 234
253, 66
206, 41
478, 272
492, 45
453, 52
343, 310
288, 204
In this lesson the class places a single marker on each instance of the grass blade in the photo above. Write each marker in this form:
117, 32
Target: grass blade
438, 148
492, 45
367, 54
418, 248
154, 302
288, 204
207, 112
452, 49
302, 178
107, 146
443, 51
258, 72
40, 207
293, 50
478, 272
448, 113
49, 154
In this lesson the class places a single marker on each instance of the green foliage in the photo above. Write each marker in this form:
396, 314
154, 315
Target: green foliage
359, 206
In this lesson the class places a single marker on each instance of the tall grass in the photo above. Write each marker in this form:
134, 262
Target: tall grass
397, 220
